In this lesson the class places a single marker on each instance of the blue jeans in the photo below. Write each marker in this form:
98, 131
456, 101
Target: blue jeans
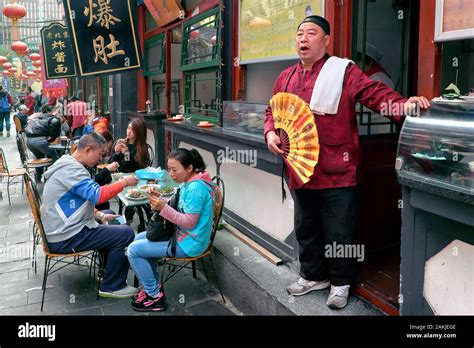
5, 116
113, 239
142, 255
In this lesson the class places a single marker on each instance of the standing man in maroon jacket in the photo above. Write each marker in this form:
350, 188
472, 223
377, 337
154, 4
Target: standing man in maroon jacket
29, 102
326, 206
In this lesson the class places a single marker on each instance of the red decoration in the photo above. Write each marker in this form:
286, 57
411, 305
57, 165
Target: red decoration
6, 73
12, 70
36, 63
19, 47
194, 34
34, 56
7, 65
37, 71
30, 73
14, 11
3, 59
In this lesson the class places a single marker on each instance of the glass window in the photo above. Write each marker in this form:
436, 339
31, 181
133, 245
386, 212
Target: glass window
200, 48
91, 91
202, 94
155, 56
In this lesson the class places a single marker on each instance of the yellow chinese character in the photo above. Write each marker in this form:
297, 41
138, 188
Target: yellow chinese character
59, 44
61, 69
65, 34
49, 36
99, 49
59, 57
104, 15
57, 36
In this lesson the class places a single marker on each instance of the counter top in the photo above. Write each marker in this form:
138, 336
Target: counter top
433, 189
246, 138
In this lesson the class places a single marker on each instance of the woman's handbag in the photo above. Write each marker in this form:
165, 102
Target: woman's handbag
161, 230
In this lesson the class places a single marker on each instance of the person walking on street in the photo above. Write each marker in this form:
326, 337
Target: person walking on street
326, 206
6, 102
39, 101
29, 101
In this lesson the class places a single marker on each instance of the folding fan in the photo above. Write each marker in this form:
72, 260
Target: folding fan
294, 123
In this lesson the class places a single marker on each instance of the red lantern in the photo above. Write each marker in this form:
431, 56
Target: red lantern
12, 70
35, 56
30, 73
7, 65
19, 47
6, 73
3, 59
14, 11
36, 63
37, 71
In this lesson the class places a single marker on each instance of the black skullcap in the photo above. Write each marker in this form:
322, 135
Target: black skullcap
319, 21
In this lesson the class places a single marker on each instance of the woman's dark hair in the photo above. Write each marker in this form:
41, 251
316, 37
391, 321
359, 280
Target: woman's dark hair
139, 129
189, 157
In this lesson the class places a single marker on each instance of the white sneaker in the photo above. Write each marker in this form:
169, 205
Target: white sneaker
126, 292
338, 296
303, 286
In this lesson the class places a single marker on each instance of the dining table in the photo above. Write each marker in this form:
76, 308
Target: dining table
141, 205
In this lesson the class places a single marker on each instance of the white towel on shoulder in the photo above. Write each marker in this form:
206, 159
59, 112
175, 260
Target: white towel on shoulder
328, 86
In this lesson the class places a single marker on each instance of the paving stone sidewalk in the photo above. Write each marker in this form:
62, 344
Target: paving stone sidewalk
71, 291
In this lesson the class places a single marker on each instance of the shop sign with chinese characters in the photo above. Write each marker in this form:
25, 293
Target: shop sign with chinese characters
104, 36
57, 52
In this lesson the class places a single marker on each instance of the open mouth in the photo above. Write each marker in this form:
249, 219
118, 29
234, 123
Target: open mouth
304, 49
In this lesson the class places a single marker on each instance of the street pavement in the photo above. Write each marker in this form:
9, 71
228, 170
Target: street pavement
71, 291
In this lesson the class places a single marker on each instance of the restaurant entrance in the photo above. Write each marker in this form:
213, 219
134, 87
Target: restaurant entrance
384, 31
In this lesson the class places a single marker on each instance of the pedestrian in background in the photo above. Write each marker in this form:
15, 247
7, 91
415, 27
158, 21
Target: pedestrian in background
6, 102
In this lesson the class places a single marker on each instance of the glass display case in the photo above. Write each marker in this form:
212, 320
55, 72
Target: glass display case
437, 148
244, 117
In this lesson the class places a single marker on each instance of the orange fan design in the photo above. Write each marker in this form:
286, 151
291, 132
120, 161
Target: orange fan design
294, 123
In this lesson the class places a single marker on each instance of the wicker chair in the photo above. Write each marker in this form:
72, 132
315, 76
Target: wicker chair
11, 175
63, 260
174, 264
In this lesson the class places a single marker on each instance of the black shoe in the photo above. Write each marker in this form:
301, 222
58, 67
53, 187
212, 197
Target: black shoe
146, 303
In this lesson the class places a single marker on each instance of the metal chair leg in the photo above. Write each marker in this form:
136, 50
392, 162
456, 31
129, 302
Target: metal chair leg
8, 191
45, 279
193, 263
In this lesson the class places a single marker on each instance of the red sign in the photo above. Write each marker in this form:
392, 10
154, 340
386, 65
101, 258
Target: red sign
165, 11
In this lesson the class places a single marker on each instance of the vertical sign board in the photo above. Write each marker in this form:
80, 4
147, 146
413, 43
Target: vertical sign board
165, 12
57, 52
104, 36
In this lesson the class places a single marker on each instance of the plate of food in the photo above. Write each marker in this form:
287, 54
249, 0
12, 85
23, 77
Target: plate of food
167, 191
205, 124
135, 195
147, 187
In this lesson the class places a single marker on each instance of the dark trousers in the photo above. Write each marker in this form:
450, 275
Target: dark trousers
39, 146
112, 238
323, 217
5, 116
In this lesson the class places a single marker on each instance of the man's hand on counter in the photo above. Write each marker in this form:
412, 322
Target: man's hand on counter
413, 103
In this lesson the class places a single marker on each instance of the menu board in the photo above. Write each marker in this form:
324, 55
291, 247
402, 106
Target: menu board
267, 29
454, 20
